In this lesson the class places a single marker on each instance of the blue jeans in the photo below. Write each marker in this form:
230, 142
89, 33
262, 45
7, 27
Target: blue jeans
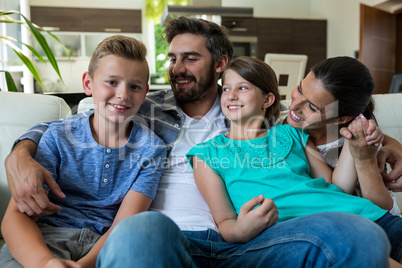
331, 239
392, 225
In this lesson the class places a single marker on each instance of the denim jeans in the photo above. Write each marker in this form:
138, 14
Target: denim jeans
331, 239
64, 243
392, 225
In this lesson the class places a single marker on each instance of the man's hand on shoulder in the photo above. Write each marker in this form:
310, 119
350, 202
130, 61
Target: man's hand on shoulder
391, 153
26, 177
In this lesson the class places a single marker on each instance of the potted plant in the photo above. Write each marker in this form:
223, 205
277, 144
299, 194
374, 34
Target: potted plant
5, 17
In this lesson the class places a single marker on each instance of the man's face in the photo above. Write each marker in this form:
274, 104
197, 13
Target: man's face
191, 71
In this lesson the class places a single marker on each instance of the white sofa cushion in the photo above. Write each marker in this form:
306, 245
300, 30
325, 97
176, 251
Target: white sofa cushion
18, 113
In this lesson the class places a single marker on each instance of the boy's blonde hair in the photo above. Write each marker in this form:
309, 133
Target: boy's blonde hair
118, 45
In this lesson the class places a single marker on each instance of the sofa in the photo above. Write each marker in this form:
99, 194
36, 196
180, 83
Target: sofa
20, 111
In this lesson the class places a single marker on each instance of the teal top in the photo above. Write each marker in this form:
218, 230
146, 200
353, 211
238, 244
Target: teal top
276, 166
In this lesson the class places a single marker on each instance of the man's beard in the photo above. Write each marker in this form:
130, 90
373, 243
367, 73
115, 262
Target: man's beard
199, 91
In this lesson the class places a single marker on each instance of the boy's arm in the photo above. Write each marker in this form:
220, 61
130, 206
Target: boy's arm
24, 239
132, 204
237, 229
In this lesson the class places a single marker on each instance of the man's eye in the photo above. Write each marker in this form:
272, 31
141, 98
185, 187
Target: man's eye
242, 88
225, 89
112, 83
172, 60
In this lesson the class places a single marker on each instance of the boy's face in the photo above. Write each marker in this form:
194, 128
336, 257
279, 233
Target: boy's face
118, 88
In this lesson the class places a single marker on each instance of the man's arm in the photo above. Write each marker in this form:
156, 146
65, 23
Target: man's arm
391, 153
364, 156
25, 176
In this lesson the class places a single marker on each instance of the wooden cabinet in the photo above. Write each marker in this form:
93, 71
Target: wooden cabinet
287, 36
244, 26
293, 36
87, 19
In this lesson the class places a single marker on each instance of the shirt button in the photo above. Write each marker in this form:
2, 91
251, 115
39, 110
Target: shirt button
107, 166
176, 125
109, 151
105, 180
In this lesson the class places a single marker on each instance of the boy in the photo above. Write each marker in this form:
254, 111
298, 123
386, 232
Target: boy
107, 165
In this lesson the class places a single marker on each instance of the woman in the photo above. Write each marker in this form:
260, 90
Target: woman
334, 92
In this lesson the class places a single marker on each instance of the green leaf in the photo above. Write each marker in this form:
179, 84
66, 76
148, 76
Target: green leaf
10, 82
8, 12
29, 65
45, 47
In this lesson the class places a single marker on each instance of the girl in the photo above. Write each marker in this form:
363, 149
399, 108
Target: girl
235, 172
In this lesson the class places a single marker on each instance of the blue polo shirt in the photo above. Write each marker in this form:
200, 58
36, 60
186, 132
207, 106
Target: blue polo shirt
94, 178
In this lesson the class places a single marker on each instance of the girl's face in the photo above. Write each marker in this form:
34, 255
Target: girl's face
312, 106
241, 101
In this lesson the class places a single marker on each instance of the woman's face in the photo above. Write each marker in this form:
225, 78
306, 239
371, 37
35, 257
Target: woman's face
312, 106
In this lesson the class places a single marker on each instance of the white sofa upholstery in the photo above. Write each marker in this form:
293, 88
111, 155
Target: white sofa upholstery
18, 113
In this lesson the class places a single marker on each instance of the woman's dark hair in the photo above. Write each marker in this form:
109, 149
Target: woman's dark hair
349, 81
217, 37
261, 75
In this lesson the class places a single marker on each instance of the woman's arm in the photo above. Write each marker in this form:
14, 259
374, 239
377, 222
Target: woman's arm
237, 229
132, 204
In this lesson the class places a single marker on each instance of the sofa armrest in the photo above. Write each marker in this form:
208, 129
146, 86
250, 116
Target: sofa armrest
18, 113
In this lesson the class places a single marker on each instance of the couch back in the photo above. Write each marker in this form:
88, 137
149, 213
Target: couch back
18, 113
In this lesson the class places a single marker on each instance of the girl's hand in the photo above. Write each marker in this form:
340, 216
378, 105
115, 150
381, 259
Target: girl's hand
252, 222
358, 146
373, 134
61, 263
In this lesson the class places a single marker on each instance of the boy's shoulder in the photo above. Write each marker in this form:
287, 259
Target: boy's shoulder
70, 124
147, 134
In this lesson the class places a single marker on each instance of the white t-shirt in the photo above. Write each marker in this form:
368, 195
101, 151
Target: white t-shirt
178, 196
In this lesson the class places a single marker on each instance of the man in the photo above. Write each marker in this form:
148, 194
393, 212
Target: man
184, 234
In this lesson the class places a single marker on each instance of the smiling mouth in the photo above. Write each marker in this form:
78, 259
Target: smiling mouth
182, 81
296, 117
119, 107
234, 107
